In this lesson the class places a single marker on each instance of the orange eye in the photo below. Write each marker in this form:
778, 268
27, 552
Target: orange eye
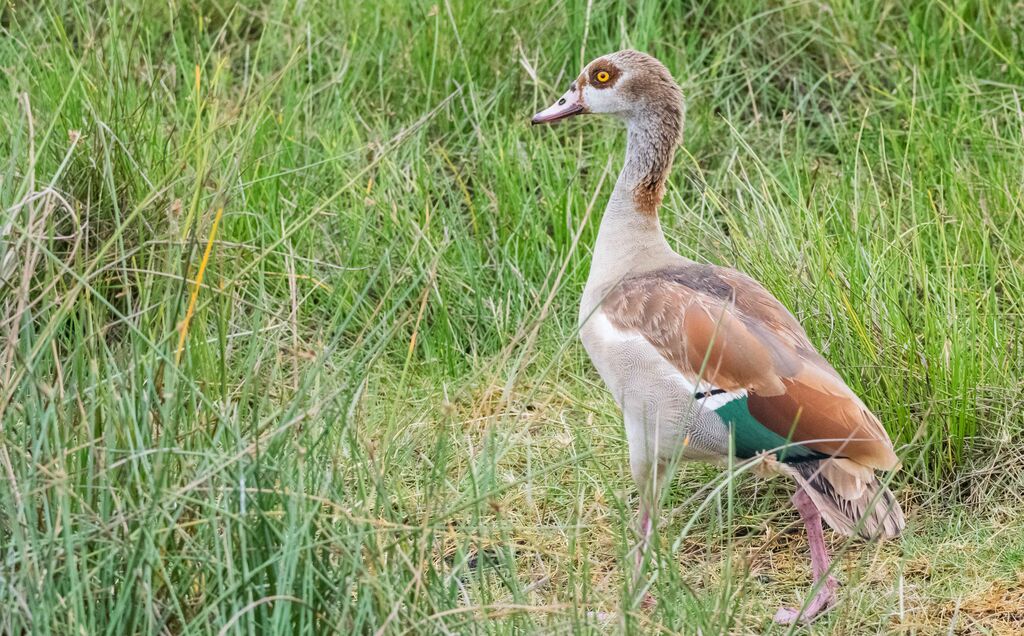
602, 76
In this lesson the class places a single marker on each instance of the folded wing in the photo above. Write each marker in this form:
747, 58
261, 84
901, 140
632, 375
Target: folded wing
721, 327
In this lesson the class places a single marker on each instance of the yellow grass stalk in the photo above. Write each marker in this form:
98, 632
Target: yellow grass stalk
183, 330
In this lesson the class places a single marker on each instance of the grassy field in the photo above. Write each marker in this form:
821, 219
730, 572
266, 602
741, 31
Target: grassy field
288, 300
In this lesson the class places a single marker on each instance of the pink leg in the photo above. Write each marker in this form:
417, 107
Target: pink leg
645, 535
646, 531
647, 478
826, 595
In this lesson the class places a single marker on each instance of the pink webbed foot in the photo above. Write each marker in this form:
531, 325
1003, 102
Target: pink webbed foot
823, 601
648, 602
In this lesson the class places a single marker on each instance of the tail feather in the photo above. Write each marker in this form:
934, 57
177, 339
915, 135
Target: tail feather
850, 500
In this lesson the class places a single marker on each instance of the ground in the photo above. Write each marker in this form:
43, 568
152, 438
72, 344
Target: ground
288, 297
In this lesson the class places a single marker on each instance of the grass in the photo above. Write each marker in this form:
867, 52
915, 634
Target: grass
288, 301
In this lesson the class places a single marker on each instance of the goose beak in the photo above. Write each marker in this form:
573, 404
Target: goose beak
567, 105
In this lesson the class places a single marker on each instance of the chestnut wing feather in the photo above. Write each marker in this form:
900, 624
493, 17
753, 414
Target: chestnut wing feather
722, 327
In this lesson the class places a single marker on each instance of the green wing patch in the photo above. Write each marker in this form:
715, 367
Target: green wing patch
753, 438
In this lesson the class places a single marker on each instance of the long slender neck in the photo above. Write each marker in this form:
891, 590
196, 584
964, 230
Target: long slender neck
630, 236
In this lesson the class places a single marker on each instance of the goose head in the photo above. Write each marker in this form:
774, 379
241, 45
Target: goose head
628, 84
638, 89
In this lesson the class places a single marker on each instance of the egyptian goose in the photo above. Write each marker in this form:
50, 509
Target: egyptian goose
696, 354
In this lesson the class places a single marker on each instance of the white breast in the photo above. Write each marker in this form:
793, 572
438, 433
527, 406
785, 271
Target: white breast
657, 400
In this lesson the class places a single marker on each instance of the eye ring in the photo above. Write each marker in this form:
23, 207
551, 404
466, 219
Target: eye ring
603, 76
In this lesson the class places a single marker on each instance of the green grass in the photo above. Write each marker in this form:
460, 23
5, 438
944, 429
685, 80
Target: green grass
380, 419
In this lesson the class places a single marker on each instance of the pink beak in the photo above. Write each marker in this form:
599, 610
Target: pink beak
568, 105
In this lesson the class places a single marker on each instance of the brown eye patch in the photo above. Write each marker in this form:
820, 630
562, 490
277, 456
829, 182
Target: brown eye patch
603, 75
